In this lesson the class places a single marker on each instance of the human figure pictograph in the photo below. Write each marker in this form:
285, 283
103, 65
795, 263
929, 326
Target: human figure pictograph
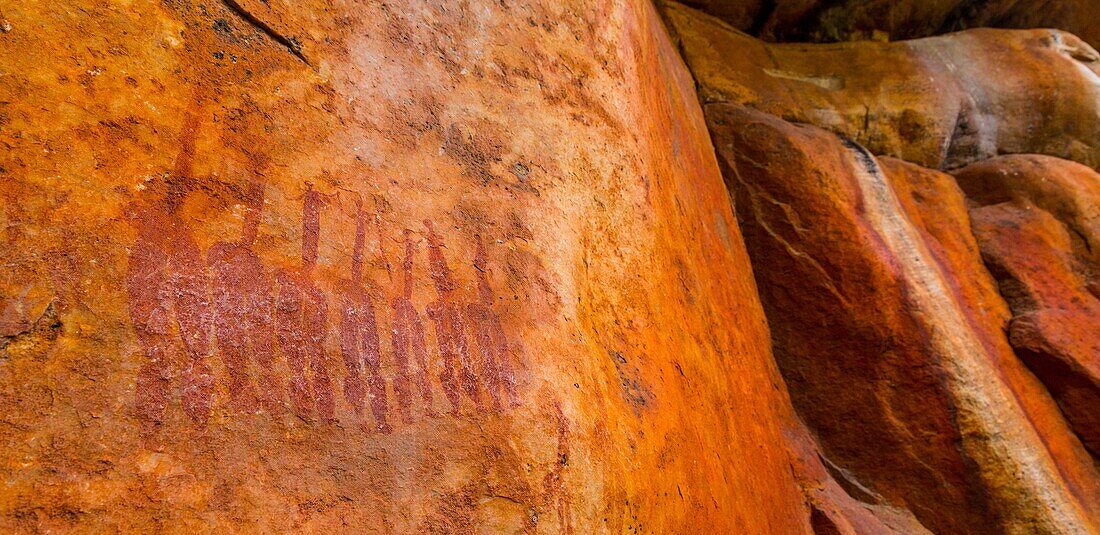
243, 323
169, 304
359, 341
450, 332
301, 314
496, 371
408, 339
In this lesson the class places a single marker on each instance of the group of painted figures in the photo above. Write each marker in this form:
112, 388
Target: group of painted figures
186, 307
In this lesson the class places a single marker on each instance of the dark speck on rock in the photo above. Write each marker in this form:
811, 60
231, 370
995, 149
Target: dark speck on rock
222, 25
520, 170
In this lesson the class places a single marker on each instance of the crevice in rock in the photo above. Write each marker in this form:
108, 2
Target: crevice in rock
849, 483
291, 43
821, 523
767, 9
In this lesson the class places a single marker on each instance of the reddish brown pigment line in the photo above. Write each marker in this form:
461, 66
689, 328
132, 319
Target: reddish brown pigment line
242, 312
450, 332
408, 335
496, 367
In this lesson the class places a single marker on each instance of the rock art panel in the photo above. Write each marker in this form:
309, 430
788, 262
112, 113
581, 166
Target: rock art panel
305, 268
859, 280
941, 102
178, 306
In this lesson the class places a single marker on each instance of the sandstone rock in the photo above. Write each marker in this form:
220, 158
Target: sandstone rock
941, 102
889, 333
1037, 220
407, 267
838, 502
1070, 192
820, 21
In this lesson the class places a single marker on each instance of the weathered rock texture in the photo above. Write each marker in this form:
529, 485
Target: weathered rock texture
1037, 220
839, 503
820, 21
471, 267
887, 326
407, 267
940, 102
889, 333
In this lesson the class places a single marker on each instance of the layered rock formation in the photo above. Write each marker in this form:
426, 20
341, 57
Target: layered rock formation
888, 328
1037, 220
940, 102
889, 333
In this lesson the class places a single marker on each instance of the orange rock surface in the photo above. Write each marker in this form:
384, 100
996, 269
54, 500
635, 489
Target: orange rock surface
424, 267
888, 328
940, 102
416, 267
1037, 220
889, 333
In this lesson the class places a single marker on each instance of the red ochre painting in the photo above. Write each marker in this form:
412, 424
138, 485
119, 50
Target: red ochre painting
188, 306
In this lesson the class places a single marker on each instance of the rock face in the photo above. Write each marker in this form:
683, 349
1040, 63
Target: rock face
1068, 191
821, 21
413, 268
889, 333
888, 328
462, 267
941, 102
838, 502
1037, 220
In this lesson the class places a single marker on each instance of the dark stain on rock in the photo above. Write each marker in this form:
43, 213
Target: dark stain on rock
635, 391
476, 149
